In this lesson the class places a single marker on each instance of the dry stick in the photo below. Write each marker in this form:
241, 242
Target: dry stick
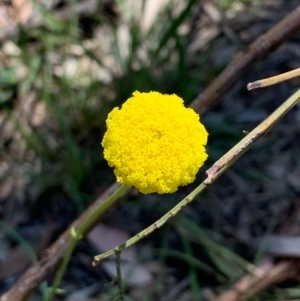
212, 174
53, 255
261, 47
250, 285
258, 278
244, 144
281, 271
241, 62
274, 79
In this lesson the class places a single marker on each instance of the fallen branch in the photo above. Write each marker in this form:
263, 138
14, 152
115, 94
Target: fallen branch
53, 255
262, 277
258, 49
261, 47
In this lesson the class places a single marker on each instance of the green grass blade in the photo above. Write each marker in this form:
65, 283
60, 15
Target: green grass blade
171, 31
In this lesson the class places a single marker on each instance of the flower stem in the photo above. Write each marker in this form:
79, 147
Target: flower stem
232, 155
77, 235
213, 173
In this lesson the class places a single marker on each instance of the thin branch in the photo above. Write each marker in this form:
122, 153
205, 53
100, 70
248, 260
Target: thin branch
153, 227
264, 276
212, 174
261, 47
53, 255
258, 49
248, 140
63, 265
261, 83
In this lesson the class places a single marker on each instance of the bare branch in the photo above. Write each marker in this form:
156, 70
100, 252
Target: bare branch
261, 47
264, 276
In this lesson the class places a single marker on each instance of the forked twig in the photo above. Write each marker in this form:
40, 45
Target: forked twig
212, 174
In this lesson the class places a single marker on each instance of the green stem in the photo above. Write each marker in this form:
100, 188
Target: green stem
153, 227
119, 276
109, 202
243, 145
212, 174
77, 235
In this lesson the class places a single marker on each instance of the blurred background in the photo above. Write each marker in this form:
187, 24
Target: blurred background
64, 65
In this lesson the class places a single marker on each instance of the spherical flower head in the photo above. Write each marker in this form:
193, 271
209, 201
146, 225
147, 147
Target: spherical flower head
154, 143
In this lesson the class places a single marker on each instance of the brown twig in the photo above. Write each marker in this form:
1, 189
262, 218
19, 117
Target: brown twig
35, 274
261, 47
262, 277
241, 62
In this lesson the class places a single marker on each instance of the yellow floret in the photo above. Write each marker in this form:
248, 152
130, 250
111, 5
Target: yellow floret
154, 143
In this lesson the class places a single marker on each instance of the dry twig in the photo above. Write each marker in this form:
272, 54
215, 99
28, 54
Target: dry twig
274, 79
261, 47
265, 275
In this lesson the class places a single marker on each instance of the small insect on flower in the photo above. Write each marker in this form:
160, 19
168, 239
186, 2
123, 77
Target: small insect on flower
154, 143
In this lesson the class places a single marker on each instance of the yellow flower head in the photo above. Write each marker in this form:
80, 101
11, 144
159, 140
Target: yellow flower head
154, 143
